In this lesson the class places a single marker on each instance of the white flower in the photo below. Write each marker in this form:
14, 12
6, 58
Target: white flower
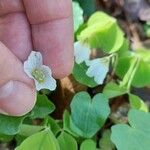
81, 52
41, 74
98, 68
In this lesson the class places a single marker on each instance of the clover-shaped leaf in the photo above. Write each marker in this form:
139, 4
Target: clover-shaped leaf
102, 32
133, 137
88, 115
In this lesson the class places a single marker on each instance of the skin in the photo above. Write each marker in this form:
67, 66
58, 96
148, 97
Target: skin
26, 25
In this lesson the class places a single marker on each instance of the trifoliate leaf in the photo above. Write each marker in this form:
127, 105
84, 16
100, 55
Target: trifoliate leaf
88, 115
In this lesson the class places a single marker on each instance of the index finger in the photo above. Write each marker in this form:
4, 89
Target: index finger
52, 32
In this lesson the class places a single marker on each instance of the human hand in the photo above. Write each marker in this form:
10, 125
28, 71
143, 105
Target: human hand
27, 25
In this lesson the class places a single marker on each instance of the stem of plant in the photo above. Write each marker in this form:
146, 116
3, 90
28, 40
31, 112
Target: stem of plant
128, 78
114, 58
114, 62
133, 74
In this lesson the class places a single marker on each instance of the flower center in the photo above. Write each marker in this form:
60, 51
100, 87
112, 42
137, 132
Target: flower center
38, 75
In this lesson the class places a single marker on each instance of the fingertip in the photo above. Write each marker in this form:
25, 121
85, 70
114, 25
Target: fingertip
63, 70
16, 98
43, 11
55, 41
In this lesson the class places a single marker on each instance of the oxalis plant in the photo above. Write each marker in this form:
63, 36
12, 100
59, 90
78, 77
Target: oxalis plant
91, 123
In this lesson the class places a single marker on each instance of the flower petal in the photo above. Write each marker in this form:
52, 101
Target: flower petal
43, 77
38, 85
81, 52
49, 83
34, 61
46, 70
98, 68
28, 69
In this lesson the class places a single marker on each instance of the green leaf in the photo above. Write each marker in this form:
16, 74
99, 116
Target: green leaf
79, 73
6, 138
77, 15
88, 145
137, 103
100, 18
133, 137
53, 125
27, 130
141, 77
89, 7
105, 142
67, 142
44, 140
42, 108
147, 29
19, 139
66, 123
88, 115
130, 74
98, 34
124, 48
112, 90
123, 65
10, 125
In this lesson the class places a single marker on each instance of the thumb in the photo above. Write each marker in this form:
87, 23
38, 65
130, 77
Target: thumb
17, 92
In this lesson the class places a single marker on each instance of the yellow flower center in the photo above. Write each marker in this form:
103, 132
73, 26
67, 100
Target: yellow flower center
38, 75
